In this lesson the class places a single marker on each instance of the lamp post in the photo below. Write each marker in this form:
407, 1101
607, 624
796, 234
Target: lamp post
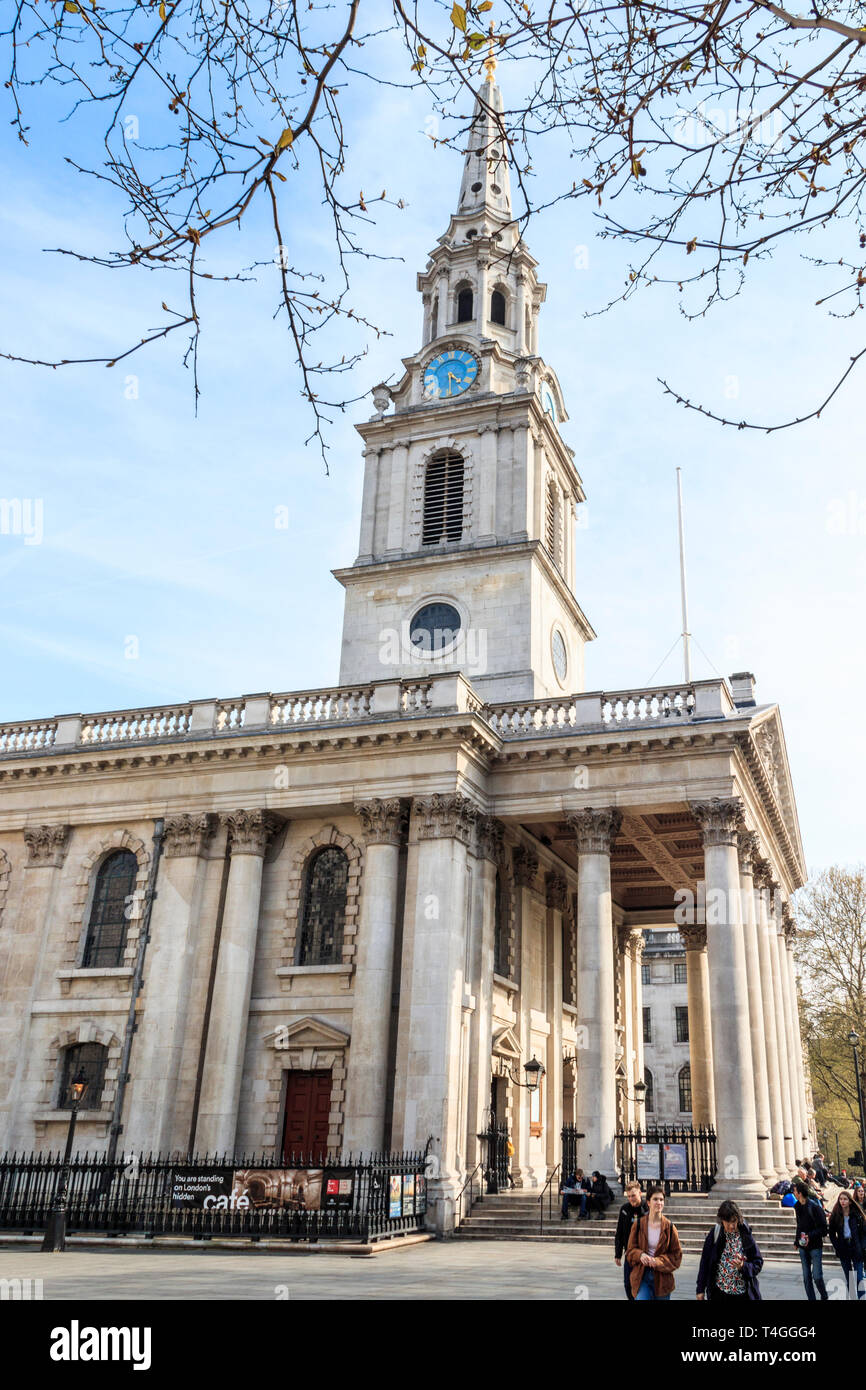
55, 1233
854, 1040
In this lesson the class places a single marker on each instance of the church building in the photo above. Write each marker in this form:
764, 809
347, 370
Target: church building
349, 918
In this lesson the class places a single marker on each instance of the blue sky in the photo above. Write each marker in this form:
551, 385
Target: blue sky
159, 526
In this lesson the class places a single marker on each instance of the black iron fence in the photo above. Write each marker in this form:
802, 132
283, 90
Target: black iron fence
679, 1159
300, 1197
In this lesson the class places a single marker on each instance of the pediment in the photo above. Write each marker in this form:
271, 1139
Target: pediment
768, 742
307, 1032
505, 1044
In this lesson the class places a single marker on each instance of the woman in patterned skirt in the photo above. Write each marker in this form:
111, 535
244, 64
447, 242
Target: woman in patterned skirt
730, 1260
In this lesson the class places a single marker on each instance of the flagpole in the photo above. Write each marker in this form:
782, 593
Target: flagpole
687, 664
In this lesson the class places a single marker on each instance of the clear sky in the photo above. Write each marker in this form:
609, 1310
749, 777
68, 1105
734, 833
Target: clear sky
161, 576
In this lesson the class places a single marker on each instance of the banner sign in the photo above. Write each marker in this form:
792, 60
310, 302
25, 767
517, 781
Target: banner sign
676, 1164
338, 1190
249, 1189
648, 1165
408, 1194
196, 1187
395, 1196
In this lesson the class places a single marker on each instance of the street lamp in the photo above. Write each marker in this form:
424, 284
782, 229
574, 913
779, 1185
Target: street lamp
854, 1040
55, 1233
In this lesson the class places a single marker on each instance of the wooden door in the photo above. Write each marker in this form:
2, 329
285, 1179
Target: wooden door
308, 1103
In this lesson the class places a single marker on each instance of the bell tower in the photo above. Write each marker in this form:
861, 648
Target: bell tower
466, 557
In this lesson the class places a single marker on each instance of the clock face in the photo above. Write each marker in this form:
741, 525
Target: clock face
548, 402
452, 372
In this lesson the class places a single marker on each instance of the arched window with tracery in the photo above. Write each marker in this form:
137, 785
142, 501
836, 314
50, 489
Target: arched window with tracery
553, 524
465, 305
500, 926
497, 307
684, 1085
87, 1060
443, 498
110, 910
323, 908
649, 1097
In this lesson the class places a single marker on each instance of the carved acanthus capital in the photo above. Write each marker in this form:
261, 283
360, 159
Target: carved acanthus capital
720, 820
748, 850
46, 844
789, 926
763, 874
489, 838
595, 831
525, 867
694, 936
630, 941
556, 890
384, 821
448, 816
250, 830
188, 835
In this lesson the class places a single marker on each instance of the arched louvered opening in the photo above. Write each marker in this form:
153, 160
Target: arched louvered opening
684, 1086
497, 307
434, 318
465, 306
443, 499
500, 926
323, 911
553, 524
87, 1060
111, 910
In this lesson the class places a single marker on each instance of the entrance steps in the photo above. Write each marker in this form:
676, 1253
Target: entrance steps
515, 1215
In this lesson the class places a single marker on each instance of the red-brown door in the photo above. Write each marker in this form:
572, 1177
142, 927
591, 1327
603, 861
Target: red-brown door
308, 1103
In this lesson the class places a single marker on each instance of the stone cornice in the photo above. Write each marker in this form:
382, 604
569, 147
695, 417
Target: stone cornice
384, 821
46, 844
595, 830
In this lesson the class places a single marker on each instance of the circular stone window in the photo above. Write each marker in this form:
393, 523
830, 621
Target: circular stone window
560, 655
434, 627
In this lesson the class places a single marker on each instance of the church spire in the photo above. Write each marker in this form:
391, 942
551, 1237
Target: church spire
485, 189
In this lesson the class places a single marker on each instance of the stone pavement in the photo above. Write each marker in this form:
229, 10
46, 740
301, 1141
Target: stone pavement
438, 1270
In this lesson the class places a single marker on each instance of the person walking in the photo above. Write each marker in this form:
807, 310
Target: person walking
632, 1209
809, 1240
847, 1228
600, 1195
654, 1252
730, 1259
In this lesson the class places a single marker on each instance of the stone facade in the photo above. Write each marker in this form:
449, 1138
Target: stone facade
391, 895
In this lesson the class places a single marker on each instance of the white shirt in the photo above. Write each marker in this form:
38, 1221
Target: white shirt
653, 1236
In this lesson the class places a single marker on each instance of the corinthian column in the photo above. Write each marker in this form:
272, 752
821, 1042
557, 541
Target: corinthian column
763, 879
800, 1080
384, 824
788, 1008
595, 832
736, 1128
700, 1033
156, 1055
747, 843
777, 962
430, 1052
249, 832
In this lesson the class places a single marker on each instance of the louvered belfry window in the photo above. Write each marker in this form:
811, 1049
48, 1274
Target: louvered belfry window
443, 499
553, 537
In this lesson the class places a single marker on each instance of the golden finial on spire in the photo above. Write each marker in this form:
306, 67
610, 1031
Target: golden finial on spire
490, 61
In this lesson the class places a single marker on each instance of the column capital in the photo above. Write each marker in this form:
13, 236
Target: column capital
188, 834
595, 830
384, 821
789, 926
748, 850
631, 941
694, 937
46, 844
720, 819
250, 830
448, 816
556, 890
525, 867
489, 838
763, 873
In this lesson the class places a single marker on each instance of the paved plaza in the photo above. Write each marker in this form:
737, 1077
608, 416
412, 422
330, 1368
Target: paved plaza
438, 1270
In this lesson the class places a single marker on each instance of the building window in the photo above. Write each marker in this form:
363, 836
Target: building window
110, 910
685, 1088
645, 975
680, 976
443, 499
647, 1025
497, 307
681, 1016
89, 1059
465, 308
649, 1097
500, 928
323, 916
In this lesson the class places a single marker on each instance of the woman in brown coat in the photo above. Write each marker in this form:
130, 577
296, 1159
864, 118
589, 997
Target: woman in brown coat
654, 1252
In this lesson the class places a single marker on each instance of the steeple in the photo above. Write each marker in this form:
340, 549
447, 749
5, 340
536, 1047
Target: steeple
486, 186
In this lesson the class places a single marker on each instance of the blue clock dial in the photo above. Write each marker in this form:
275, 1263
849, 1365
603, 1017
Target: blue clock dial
449, 374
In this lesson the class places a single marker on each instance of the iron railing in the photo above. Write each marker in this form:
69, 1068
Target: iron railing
678, 1158
306, 1197
547, 1195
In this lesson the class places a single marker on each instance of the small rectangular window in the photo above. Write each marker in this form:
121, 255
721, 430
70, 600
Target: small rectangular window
682, 1022
680, 976
645, 975
647, 1026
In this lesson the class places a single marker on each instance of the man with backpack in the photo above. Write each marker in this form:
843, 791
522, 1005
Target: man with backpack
809, 1240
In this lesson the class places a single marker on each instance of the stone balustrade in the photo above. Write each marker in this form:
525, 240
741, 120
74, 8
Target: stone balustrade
428, 696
